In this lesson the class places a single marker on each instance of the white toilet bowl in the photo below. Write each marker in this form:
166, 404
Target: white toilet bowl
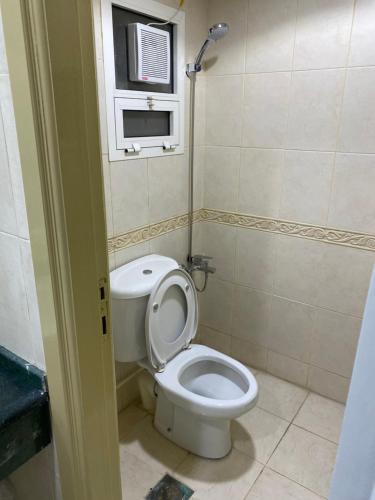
199, 390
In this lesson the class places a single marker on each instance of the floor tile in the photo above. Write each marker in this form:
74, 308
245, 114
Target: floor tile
137, 477
279, 397
128, 418
306, 459
147, 444
257, 433
271, 485
321, 416
228, 477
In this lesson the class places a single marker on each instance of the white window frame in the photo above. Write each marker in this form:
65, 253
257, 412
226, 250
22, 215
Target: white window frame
150, 147
127, 143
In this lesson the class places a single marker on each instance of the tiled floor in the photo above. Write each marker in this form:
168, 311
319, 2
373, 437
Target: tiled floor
283, 449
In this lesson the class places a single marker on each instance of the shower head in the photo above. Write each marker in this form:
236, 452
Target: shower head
216, 32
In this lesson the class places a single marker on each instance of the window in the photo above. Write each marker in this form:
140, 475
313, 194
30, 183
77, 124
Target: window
143, 119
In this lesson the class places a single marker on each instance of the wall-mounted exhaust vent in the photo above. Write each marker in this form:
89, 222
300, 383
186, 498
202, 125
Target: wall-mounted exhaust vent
149, 54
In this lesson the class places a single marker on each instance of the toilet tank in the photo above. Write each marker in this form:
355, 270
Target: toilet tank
131, 285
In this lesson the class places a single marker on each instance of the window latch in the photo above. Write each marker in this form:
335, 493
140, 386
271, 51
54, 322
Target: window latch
168, 147
135, 148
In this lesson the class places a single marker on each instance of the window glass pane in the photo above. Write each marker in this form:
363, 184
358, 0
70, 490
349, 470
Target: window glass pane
146, 123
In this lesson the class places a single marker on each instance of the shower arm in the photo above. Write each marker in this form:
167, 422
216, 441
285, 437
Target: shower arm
196, 66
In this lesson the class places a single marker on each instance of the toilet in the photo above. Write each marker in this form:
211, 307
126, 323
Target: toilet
199, 390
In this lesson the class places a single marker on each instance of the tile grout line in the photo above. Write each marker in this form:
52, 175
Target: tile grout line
296, 482
315, 434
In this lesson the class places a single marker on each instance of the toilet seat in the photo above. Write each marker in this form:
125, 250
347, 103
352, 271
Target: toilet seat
212, 406
171, 317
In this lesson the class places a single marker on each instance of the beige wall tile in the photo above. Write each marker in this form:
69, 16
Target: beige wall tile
353, 204
200, 111
270, 35
306, 186
10, 141
32, 330
255, 259
260, 181
3, 58
216, 305
168, 186
173, 244
196, 21
124, 370
328, 384
249, 353
101, 99
343, 278
8, 221
129, 195
297, 261
216, 340
289, 369
134, 252
223, 110
323, 33
315, 109
357, 134
334, 341
219, 242
107, 195
13, 300
221, 178
321, 416
251, 315
363, 34
305, 458
227, 56
111, 262
265, 109
291, 328
199, 171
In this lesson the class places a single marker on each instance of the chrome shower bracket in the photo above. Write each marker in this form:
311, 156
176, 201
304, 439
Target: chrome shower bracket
193, 68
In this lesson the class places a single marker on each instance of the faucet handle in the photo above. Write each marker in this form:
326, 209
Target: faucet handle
201, 258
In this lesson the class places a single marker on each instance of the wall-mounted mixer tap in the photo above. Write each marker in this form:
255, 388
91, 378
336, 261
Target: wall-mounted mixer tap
200, 263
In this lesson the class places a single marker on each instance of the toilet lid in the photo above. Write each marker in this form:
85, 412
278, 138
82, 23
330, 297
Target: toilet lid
171, 317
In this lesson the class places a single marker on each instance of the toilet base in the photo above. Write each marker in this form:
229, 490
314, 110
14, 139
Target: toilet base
206, 437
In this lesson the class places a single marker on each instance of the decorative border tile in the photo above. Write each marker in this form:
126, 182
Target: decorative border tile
325, 234
146, 233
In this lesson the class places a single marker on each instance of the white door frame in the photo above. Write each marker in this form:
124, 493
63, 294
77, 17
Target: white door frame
52, 70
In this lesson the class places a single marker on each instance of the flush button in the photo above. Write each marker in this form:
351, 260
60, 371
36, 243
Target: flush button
147, 271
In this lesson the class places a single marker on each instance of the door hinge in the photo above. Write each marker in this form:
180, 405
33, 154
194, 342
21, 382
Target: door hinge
103, 297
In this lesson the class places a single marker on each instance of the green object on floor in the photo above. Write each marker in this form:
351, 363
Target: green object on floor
168, 488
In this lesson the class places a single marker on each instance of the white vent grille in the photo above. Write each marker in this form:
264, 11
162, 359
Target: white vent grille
149, 54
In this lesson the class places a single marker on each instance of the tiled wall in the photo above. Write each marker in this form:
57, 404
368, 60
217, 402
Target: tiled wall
143, 192
290, 134
19, 314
